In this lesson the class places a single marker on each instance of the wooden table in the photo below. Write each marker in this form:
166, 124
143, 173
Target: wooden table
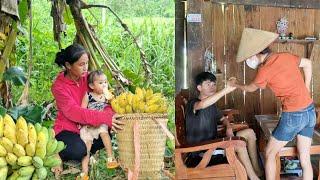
267, 123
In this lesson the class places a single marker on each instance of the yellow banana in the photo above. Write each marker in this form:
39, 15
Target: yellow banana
163, 108
30, 149
141, 107
1, 126
11, 159
37, 162
22, 124
7, 144
10, 133
3, 151
46, 132
41, 139
149, 94
154, 100
139, 91
18, 150
32, 133
144, 93
129, 99
52, 161
41, 172
51, 146
135, 103
41, 145
152, 108
128, 109
38, 127
3, 162
60, 147
7, 120
122, 100
22, 137
26, 171
51, 134
14, 175
24, 161
3, 173
41, 151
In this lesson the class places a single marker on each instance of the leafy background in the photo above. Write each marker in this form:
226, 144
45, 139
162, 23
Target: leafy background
150, 20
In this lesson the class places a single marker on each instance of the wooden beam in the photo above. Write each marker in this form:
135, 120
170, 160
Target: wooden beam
195, 45
310, 4
179, 45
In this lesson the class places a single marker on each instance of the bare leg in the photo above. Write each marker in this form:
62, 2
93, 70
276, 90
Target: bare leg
85, 160
303, 145
107, 143
245, 160
250, 136
272, 149
111, 162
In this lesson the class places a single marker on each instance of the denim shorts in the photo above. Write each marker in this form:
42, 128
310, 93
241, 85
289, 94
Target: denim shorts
292, 123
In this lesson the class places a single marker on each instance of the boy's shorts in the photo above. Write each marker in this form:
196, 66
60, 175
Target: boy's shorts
292, 123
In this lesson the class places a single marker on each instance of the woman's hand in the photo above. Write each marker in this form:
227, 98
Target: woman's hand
116, 124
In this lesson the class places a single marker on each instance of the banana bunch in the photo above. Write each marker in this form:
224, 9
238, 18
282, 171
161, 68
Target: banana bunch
143, 101
27, 151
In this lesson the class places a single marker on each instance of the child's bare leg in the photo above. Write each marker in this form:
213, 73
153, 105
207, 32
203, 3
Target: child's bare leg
85, 160
111, 162
107, 143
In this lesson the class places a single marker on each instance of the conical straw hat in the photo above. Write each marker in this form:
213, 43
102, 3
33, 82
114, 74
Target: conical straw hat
254, 41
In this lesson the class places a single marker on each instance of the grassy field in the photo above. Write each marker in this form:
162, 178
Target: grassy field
154, 29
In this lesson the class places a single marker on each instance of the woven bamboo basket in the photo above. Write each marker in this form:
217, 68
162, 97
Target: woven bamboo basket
152, 143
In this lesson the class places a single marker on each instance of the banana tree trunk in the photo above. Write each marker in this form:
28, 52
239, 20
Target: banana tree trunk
8, 36
88, 38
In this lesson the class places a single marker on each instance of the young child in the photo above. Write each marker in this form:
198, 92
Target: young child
97, 99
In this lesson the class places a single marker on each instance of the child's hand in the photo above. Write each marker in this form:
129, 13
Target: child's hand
108, 95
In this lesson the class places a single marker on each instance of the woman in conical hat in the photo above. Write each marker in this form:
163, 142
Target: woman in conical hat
281, 73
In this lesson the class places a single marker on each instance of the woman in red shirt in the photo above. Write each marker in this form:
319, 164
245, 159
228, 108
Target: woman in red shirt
68, 90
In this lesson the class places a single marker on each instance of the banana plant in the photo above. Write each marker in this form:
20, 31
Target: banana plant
8, 32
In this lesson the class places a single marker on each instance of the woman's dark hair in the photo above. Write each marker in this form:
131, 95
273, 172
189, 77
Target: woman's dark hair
93, 74
71, 54
265, 51
203, 77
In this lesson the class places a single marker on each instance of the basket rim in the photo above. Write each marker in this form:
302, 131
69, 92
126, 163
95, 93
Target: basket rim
151, 115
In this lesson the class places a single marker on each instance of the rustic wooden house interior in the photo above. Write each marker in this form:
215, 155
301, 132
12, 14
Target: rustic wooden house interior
208, 33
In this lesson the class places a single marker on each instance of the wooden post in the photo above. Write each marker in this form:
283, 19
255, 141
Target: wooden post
180, 45
195, 48
315, 57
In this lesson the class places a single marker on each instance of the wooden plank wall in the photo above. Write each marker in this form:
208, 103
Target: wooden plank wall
221, 32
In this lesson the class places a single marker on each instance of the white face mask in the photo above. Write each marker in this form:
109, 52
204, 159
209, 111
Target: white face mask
253, 62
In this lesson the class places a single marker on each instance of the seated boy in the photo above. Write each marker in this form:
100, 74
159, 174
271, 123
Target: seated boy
202, 117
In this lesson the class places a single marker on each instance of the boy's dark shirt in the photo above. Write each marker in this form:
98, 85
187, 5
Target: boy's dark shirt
201, 125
